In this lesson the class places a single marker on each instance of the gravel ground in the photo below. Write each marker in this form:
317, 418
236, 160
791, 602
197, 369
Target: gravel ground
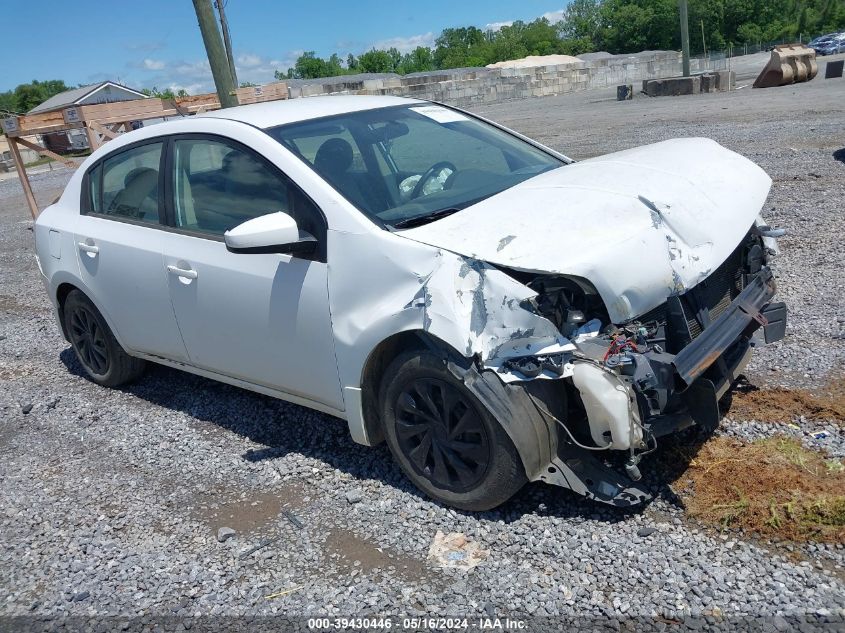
113, 499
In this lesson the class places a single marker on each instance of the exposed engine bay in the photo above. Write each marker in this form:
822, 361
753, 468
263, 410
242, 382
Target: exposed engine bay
663, 371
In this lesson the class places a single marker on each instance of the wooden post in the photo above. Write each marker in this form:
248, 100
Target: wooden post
223, 80
27, 187
227, 40
101, 129
43, 151
93, 138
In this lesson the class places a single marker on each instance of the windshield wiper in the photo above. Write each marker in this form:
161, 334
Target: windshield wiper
419, 220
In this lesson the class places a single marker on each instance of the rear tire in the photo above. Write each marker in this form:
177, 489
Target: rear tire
104, 360
443, 438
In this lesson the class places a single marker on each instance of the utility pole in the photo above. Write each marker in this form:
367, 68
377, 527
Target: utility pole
216, 55
227, 39
685, 35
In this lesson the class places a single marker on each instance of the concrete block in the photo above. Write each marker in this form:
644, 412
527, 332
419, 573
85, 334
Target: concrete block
686, 85
672, 86
653, 87
725, 80
708, 83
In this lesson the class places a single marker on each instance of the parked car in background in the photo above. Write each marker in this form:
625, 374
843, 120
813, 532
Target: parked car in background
831, 44
495, 311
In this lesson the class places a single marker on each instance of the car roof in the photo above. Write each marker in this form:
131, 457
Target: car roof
273, 113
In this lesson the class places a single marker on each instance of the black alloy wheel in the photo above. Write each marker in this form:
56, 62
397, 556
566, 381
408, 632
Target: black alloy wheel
101, 356
442, 435
89, 340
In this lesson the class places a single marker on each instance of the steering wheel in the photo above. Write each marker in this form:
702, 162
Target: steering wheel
432, 171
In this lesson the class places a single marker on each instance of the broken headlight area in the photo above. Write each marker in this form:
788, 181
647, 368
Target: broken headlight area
536, 366
568, 302
635, 382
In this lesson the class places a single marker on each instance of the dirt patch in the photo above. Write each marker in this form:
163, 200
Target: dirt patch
245, 512
784, 405
10, 305
15, 371
7, 432
772, 486
350, 552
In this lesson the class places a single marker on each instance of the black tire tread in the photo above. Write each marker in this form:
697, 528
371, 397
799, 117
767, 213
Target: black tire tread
123, 368
506, 474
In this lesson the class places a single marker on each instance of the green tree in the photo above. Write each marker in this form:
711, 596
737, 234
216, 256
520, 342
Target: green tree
540, 37
28, 96
8, 103
167, 93
457, 48
418, 60
309, 66
375, 61
508, 43
581, 21
618, 26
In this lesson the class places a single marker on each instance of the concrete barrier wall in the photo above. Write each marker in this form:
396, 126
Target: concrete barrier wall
473, 86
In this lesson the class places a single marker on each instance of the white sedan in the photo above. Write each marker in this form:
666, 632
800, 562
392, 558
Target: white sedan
495, 311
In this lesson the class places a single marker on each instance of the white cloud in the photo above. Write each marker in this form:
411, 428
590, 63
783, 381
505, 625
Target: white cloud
406, 44
554, 16
496, 26
191, 89
249, 61
261, 70
153, 64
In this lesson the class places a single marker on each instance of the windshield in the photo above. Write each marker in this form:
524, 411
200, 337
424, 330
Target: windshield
409, 165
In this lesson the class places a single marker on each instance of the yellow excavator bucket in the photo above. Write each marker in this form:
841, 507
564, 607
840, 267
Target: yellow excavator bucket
790, 63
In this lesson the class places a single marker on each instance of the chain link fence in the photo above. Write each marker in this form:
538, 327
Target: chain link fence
719, 59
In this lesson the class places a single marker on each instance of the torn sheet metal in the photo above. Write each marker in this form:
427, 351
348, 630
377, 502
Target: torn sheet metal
464, 297
469, 305
639, 224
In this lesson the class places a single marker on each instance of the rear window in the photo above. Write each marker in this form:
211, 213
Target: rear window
126, 185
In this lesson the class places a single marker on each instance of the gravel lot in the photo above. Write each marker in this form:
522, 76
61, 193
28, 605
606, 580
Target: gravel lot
112, 499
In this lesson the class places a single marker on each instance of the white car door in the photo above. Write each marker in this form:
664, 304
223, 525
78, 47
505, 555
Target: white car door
262, 318
118, 238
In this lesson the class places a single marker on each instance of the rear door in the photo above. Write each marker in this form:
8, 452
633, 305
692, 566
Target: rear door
118, 239
262, 318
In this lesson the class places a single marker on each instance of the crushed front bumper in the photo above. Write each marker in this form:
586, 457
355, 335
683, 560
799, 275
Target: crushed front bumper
674, 391
703, 371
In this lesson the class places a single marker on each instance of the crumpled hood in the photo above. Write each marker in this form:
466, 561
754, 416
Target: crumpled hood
640, 225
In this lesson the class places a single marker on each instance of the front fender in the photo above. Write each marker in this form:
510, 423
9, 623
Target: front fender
474, 311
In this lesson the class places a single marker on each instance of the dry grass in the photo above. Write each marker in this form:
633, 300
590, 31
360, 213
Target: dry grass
774, 486
784, 405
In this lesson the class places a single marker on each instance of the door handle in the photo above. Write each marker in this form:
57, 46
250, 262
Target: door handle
89, 248
182, 272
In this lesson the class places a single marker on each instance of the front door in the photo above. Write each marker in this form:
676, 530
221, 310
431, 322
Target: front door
262, 318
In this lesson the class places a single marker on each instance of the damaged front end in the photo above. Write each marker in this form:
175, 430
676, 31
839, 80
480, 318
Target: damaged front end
615, 389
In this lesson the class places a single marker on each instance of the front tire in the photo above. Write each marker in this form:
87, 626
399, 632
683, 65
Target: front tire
443, 438
104, 360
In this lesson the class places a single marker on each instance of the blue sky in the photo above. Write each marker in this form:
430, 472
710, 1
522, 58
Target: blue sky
157, 42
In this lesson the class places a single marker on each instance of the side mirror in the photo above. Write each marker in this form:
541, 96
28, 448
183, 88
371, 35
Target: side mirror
271, 233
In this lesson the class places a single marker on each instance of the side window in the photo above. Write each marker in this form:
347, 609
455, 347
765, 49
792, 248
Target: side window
323, 137
217, 187
126, 185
